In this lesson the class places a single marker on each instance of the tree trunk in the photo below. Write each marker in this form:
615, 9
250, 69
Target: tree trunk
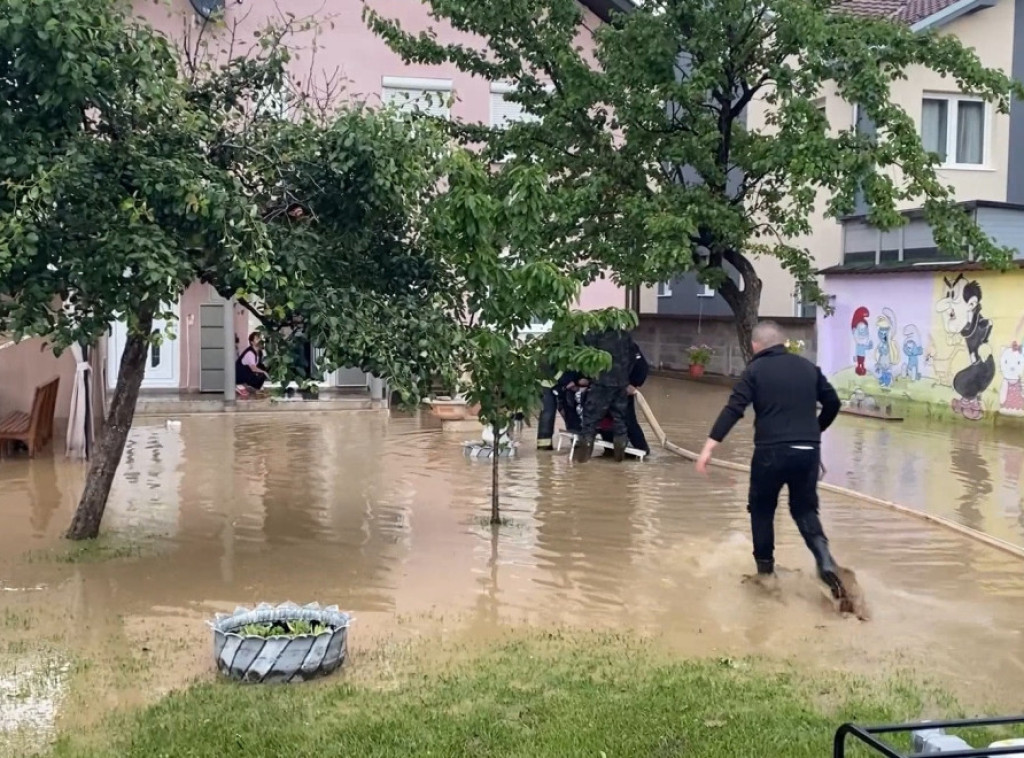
495, 507
107, 455
745, 303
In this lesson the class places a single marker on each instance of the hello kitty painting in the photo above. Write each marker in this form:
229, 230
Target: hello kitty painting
1011, 393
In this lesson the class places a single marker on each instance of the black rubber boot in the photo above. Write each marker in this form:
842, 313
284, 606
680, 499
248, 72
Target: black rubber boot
621, 443
817, 543
828, 572
584, 449
765, 567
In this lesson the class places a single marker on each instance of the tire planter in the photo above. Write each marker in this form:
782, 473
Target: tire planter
281, 658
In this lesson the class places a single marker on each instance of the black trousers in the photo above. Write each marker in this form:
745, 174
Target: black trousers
602, 401
797, 469
634, 431
546, 422
248, 377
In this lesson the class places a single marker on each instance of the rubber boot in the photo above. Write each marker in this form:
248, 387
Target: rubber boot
621, 443
828, 572
765, 567
584, 449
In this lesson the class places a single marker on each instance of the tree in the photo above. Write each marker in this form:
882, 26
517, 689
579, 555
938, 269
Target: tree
645, 146
503, 276
126, 174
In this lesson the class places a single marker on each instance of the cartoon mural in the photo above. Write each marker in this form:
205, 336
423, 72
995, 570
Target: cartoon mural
952, 341
913, 350
861, 338
888, 361
960, 311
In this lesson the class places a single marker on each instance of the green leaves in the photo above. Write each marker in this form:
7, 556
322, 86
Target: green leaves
695, 125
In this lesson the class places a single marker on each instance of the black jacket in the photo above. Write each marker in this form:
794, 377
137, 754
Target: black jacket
785, 390
622, 349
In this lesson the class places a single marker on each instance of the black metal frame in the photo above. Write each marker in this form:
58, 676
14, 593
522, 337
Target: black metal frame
868, 736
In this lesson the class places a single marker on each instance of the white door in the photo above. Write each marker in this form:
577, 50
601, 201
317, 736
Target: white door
161, 363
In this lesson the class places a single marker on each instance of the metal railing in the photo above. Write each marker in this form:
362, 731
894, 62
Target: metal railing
869, 735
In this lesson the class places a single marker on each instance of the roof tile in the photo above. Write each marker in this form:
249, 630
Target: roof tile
907, 11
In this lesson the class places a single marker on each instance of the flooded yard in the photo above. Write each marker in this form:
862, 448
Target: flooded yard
386, 517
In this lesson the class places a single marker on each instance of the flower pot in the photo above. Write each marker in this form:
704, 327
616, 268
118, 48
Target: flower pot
282, 658
696, 370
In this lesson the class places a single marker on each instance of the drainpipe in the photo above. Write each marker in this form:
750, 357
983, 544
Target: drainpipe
229, 352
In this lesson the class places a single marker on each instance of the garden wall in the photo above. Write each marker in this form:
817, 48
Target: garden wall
946, 344
666, 340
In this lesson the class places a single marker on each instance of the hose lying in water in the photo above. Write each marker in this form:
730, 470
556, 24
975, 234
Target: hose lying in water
966, 531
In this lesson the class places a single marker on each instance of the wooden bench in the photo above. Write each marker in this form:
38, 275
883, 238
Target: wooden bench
35, 429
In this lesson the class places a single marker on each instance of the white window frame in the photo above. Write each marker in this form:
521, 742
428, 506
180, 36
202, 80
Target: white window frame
404, 85
706, 290
953, 101
664, 289
798, 303
499, 90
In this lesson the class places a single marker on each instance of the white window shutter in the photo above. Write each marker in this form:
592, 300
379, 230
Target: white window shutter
408, 100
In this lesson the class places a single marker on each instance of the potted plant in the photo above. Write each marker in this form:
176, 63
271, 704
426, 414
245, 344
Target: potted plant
795, 346
700, 356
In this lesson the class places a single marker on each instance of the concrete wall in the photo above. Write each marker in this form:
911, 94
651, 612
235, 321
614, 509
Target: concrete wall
666, 340
928, 368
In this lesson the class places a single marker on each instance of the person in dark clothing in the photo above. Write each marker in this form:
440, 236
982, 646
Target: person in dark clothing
634, 432
250, 373
607, 394
548, 407
785, 390
567, 391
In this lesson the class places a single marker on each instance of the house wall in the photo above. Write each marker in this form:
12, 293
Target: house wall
929, 369
990, 32
25, 366
666, 340
361, 60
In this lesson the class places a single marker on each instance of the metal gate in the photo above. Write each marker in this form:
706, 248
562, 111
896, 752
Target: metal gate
870, 736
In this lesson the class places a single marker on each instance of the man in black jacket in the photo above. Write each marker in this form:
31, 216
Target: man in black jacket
607, 393
785, 390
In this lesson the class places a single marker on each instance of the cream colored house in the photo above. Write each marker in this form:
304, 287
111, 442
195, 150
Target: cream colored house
975, 141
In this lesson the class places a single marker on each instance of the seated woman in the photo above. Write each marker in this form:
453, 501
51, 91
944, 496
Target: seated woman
250, 373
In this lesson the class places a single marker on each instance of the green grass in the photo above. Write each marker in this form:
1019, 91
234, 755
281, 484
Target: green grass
93, 551
537, 696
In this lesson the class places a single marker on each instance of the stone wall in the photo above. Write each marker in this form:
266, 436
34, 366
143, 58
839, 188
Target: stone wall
666, 340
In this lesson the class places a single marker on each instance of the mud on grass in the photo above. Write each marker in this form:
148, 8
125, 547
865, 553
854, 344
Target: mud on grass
534, 695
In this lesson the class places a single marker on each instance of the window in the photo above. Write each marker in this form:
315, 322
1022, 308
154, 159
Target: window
665, 289
505, 111
954, 128
274, 102
431, 97
804, 306
705, 290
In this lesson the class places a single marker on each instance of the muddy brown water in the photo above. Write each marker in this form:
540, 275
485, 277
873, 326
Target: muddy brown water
384, 516
969, 473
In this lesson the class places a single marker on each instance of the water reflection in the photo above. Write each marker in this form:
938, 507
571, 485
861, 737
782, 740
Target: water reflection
387, 518
969, 473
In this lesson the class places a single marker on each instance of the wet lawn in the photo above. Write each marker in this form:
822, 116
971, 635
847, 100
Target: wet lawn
535, 695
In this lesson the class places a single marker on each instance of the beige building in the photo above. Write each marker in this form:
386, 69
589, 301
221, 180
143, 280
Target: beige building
973, 139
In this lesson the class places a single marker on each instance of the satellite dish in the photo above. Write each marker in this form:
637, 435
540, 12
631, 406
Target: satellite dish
206, 8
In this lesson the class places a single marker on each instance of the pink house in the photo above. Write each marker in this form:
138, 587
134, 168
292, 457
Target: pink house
200, 359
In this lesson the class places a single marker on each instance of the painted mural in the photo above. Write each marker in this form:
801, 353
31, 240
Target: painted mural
951, 341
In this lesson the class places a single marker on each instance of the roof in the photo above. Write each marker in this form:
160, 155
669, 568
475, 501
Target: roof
902, 267
604, 9
967, 205
918, 14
